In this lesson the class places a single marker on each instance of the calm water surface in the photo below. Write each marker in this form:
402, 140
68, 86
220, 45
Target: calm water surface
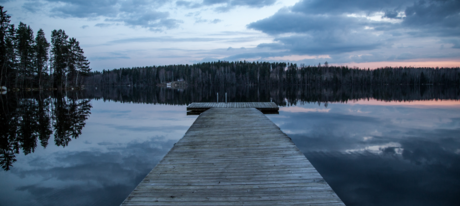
381, 153
370, 152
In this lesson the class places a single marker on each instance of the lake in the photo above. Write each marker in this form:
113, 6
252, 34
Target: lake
380, 146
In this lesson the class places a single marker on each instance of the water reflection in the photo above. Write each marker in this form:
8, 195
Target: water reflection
283, 96
25, 120
404, 150
387, 154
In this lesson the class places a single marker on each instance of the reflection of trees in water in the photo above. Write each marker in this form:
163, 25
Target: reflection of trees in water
27, 119
285, 95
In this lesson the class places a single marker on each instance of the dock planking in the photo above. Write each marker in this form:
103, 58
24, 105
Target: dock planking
264, 107
233, 156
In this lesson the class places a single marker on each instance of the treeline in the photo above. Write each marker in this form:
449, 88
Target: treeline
266, 73
28, 120
26, 63
281, 95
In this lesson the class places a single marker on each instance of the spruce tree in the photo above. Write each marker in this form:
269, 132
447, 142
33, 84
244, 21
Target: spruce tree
10, 60
41, 55
59, 53
82, 63
72, 58
4, 25
24, 43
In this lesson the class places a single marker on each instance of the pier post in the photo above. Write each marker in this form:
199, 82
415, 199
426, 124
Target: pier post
225, 97
217, 97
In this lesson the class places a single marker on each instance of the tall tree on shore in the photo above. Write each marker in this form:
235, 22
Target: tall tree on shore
10, 60
4, 25
24, 43
59, 56
72, 58
41, 55
82, 63
76, 61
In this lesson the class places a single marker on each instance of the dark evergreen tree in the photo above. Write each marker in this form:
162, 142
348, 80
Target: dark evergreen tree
10, 61
24, 44
4, 25
77, 63
82, 64
59, 56
41, 55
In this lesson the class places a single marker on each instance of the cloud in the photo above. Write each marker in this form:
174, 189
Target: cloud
163, 39
139, 13
285, 21
215, 21
318, 34
200, 20
455, 43
226, 5
84, 26
149, 19
350, 6
440, 18
33, 6
359, 28
102, 25
84, 8
188, 4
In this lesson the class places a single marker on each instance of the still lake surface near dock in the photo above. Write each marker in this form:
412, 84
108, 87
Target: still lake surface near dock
370, 152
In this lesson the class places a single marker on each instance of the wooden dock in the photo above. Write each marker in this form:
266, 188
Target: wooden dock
233, 156
264, 107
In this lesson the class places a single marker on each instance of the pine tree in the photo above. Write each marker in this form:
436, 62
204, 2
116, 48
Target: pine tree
4, 25
24, 43
82, 64
71, 58
10, 62
41, 55
59, 53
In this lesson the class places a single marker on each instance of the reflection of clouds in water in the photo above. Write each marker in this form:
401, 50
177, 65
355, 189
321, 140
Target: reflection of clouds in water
385, 179
97, 176
341, 130
367, 138
379, 149
300, 109
387, 155
357, 111
144, 128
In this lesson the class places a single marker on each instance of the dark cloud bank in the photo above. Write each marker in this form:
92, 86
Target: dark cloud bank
140, 13
314, 27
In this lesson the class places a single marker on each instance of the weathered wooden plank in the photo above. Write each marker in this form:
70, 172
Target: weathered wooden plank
233, 155
202, 106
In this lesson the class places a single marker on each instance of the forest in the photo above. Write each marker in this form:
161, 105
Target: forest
222, 73
28, 62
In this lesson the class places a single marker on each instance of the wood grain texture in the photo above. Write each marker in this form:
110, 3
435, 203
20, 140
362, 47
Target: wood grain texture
265, 107
233, 156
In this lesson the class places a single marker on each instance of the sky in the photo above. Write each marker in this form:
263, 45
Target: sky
363, 33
